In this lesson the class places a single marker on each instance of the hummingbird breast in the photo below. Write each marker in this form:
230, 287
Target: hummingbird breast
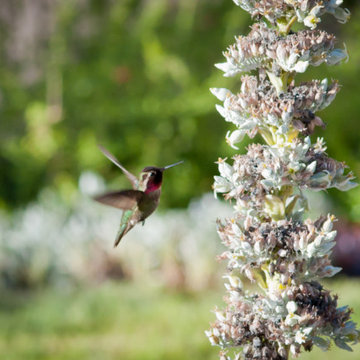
149, 203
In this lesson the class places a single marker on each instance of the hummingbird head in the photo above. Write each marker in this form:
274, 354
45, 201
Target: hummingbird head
151, 177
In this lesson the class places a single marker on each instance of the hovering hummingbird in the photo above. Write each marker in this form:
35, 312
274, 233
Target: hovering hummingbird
138, 203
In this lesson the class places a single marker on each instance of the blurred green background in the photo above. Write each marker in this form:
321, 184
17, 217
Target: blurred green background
134, 76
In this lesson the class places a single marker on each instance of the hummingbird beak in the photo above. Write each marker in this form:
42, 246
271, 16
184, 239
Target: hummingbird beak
169, 166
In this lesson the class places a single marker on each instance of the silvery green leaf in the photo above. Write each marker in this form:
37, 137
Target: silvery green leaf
235, 118
220, 93
300, 15
221, 185
220, 315
292, 59
324, 83
256, 342
236, 229
249, 64
348, 185
301, 66
319, 240
320, 180
221, 110
275, 80
283, 129
328, 224
337, 55
227, 68
234, 138
257, 247
342, 309
247, 125
326, 249
311, 167
268, 184
246, 246
225, 169
349, 330
342, 15
323, 344
311, 249
307, 142
331, 270
234, 281
341, 343
272, 119
330, 236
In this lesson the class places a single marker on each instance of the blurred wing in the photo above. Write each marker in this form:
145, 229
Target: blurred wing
125, 199
133, 179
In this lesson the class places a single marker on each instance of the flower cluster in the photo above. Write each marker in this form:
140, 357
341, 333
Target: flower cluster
268, 242
259, 179
266, 48
266, 329
258, 106
307, 12
285, 247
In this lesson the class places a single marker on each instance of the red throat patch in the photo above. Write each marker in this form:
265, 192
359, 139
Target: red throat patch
152, 187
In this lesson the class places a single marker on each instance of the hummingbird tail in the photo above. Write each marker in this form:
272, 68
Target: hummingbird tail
124, 228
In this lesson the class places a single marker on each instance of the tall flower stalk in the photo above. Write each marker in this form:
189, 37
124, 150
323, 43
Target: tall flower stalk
268, 239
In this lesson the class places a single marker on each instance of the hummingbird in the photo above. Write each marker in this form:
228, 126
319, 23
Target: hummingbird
140, 201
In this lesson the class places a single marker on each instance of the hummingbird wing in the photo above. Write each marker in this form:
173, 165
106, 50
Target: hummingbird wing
133, 179
124, 199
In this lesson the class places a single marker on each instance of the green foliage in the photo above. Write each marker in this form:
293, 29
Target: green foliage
134, 76
120, 321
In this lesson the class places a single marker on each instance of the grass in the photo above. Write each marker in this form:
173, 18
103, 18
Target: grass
123, 321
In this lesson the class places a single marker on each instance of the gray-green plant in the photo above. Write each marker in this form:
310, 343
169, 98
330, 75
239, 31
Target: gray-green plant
268, 239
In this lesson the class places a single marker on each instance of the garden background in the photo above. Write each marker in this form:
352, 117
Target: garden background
134, 76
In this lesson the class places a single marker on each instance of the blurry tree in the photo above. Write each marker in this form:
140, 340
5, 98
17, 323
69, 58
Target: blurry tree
134, 76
